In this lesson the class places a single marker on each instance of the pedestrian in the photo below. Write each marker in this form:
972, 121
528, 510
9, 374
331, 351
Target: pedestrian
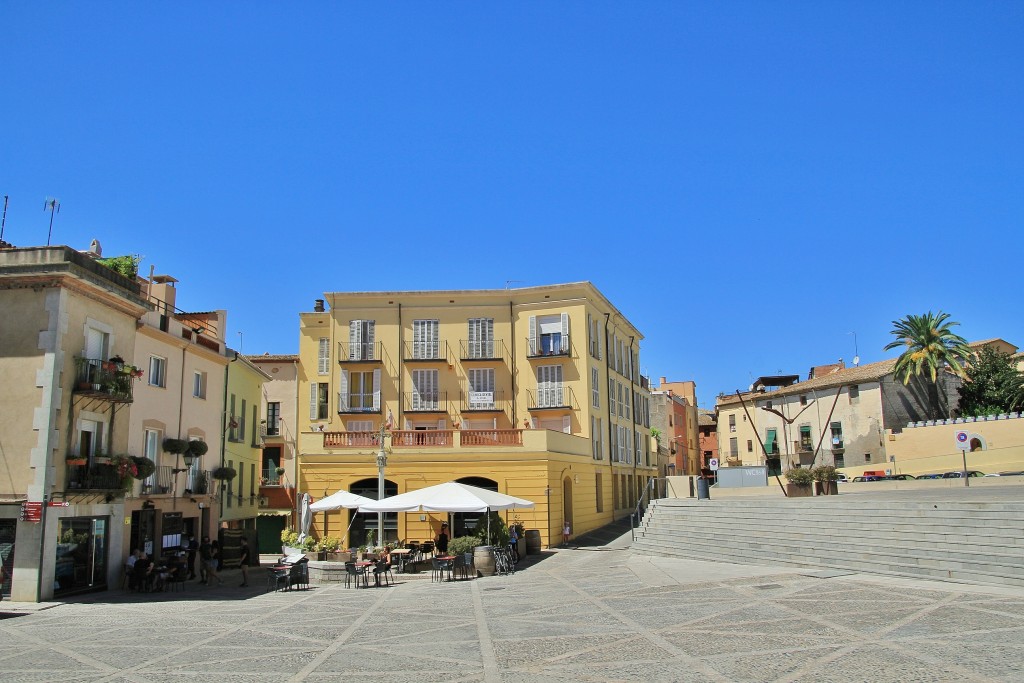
205, 555
244, 560
565, 534
192, 547
441, 542
513, 541
211, 560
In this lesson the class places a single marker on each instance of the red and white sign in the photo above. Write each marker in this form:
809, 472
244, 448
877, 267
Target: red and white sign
963, 440
31, 511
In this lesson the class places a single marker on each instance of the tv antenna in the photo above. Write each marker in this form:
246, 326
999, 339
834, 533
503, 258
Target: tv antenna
856, 353
508, 282
53, 205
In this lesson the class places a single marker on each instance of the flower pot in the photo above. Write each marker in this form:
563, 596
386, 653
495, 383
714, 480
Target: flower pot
799, 490
76, 461
826, 488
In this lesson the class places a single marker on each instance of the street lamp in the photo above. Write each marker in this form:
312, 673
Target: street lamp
382, 461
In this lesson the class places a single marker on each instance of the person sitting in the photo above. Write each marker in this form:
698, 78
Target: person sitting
143, 572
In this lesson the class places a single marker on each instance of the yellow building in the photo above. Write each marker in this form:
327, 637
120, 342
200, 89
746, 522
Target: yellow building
534, 392
243, 443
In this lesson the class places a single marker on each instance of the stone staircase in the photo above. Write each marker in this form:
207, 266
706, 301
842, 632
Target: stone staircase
978, 542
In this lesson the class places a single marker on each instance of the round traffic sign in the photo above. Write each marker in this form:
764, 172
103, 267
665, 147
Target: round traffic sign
713, 464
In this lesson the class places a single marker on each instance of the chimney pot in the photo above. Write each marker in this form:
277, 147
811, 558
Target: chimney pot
318, 305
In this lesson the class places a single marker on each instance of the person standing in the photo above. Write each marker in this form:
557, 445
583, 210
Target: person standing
565, 534
205, 555
513, 541
442, 540
244, 562
192, 547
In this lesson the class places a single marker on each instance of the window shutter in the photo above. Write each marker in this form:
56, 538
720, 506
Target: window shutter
567, 424
565, 333
355, 334
323, 356
376, 389
312, 400
533, 335
441, 424
590, 334
343, 391
371, 327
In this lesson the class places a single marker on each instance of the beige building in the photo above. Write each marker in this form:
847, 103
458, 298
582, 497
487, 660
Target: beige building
534, 392
68, 323
277, 503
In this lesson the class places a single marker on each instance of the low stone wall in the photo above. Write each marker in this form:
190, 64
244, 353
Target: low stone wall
326, 572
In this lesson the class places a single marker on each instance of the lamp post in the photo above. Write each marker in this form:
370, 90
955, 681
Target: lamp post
382, 461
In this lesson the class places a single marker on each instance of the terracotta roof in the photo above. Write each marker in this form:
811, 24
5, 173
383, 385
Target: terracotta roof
273, 358
706, 418
864, 373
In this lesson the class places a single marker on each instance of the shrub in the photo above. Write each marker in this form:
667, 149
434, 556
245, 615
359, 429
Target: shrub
175, 446
290, 537
464, 544
329, 544
825, 473
799, 476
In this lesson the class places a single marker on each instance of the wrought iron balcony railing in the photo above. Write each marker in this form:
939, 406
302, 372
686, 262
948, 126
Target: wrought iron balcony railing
106, 380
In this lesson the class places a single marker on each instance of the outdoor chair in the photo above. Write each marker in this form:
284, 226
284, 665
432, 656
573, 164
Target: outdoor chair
354, 574
426, 548
438, 569
383, 570
177, 580
459, 567
299, 574
277, 578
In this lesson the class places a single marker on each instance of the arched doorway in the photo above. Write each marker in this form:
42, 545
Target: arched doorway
362, 522
467, 523
567, 505
977, 444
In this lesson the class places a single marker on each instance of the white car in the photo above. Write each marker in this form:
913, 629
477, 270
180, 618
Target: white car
842, 478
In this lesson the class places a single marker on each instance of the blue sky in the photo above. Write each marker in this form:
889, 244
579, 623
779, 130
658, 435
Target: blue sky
749, 182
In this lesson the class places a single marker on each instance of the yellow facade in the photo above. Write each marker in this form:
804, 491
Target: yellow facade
239, 499
510, 386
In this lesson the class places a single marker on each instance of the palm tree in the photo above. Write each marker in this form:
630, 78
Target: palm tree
929, 345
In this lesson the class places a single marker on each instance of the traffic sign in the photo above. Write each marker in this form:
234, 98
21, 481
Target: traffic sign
713, 464
963, 440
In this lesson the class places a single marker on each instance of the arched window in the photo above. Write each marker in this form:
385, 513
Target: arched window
466, 523
363, 522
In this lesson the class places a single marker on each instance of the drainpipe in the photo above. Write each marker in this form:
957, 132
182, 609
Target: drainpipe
224, 426
401, 366
515, 412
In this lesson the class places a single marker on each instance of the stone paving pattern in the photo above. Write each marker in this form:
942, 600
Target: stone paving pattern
599, 614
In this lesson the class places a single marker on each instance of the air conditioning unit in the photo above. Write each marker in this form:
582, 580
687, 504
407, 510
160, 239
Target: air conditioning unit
264, 501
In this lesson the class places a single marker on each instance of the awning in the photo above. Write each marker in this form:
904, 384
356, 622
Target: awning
273, 513
769, 443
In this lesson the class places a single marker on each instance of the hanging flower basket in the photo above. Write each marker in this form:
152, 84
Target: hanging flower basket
224, 473
197, 448
144, 467
175, 446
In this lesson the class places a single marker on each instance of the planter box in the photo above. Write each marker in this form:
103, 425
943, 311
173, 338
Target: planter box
799, 491
826, 488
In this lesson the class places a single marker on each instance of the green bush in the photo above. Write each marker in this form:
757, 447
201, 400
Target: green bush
825, 473
125, 265
464, 544
290, 537
799, 476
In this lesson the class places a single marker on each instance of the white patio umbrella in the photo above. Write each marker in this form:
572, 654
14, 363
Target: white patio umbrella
448, 497
338, 501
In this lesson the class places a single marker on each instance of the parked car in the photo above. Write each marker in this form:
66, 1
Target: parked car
1019, 473
870, 477
899, 477
843, 478
960, 475
929, 476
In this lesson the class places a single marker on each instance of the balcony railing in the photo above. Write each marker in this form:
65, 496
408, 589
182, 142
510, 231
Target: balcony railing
483, 400
272, 478
93, 477
104, 379
350, 439
425, 351
557, 396
361, 352
162, 482
426, 402
475, 349
492, 437
548, 345
357, 403
421, 438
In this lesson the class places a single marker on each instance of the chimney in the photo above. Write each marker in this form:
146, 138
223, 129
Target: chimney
318, 305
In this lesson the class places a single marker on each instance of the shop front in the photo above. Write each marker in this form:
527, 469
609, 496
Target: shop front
81, 555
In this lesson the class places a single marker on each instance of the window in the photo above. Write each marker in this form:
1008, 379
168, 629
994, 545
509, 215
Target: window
252, 480
854, 393
549, 386
803, 400
323, 356
595, 438
867, 457
425, 343
628, 392
273, 418
595, 391
359, 392
611, 396
157, 371
837, 435
424, 390
638, 447
615, 444
318, 401
625, 455
231, 484
232, 420
199, 385
618, 391
750, 445
255, 432
151, 449
771, 445
768, 405
241, 422
840, 461
481, 388
481, 338
241, 481
360, 340
593, 337
734, 448
599, 491
805, 438
549, 335
732, 423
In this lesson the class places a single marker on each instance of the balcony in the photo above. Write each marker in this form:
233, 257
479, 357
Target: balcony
425, 352
558, 397
162, 482
272, 478
476, 350
356, 446
357, 404
361, 352
421, 438
425, 402
492, 437
351, 439
547, 345
94, 477
483, 402
105, 380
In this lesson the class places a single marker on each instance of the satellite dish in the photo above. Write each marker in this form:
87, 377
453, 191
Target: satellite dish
751, 388
856, 361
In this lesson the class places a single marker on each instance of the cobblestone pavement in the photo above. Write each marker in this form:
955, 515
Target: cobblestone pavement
574, 615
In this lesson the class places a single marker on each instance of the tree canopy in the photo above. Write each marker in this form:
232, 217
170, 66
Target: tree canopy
929, 344
992, 385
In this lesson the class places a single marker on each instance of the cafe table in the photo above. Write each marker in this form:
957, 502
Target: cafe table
402, 554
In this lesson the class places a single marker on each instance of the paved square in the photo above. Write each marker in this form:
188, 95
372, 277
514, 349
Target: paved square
575, 615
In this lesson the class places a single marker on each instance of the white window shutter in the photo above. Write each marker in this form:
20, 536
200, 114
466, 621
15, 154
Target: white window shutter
567, 424
343, 391
371, 331
312, 400
533, 335
441, 424
376, 389
565, 332
355, 333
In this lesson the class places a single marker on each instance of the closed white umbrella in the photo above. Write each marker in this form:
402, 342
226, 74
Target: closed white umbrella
305, 517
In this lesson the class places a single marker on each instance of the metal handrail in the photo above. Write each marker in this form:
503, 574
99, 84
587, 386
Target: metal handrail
637, 515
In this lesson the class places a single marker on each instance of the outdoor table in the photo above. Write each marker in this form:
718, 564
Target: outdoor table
402, 554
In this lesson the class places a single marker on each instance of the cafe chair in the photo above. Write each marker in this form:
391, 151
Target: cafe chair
277, 578
354, 574
383, 570
177, 580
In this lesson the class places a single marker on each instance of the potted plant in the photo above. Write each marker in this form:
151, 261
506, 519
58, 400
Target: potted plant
826, 480
175, 446
144, 466
799, 485
197, 448
280, 472
290, 542
101, 458
223, 473
76, 460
